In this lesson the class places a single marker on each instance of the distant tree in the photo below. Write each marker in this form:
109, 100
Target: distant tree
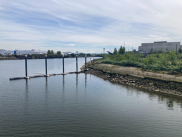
115, 51
160, 51
151, 51
48, 52
88, 55
134, 51
58, 52
180, 50
81, 54
72, 55
121, 50
52, 52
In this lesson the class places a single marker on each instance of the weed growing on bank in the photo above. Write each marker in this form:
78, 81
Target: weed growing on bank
163, 61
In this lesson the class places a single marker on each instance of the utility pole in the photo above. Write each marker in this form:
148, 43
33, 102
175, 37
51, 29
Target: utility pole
103, 52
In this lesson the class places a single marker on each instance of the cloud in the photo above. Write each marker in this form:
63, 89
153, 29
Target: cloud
82, 25
89, 51
153, 36
37, 42
71, 44
1, 8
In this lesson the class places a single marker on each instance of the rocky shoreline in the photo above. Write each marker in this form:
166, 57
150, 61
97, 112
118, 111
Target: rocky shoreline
152, 84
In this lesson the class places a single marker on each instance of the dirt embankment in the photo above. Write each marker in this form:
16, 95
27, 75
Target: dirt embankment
8, 58
157, 82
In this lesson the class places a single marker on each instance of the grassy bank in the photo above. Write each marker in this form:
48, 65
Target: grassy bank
166, 61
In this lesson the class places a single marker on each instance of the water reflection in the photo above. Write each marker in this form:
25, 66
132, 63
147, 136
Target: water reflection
77, 80
85, 80
63, 82
46, 91
26, 97
108, 109
26, 91
170, 104
169, 100
76, 87
63, 90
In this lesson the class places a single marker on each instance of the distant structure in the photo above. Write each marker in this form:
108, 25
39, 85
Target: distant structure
110, 53
103, 50
20, 52
159, 46
66, 53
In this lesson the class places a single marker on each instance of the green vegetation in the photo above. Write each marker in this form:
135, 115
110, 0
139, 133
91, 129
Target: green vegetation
115, 51
50, 52
161, 61
72, 55
58, 52
121, 50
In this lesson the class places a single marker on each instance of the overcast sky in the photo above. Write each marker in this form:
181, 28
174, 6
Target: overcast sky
88, 25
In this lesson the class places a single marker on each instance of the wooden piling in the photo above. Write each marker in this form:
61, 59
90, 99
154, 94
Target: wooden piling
46, 75
63, 63
85, 62
46, 66
76, 63
26, 73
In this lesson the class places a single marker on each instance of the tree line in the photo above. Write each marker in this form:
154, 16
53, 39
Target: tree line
51, 52
120, 51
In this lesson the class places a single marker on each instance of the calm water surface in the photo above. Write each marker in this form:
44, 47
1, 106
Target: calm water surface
80, 105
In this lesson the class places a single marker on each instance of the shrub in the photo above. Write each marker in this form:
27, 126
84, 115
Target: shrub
164, 61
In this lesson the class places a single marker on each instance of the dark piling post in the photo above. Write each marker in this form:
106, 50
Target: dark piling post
76, 63
63, 63
46, 66
26, 67
85, 62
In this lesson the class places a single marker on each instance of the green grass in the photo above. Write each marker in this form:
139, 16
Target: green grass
168, 61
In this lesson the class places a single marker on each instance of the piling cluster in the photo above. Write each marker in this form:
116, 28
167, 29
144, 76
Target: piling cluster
46, 74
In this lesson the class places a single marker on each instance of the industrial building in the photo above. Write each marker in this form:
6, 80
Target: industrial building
159, 46
20, 52
66, 53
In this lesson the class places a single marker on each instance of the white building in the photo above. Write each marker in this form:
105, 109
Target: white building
20, 52
66, 53
6, 52
159, 46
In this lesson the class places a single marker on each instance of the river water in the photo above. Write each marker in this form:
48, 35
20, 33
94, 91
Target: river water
80, 105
